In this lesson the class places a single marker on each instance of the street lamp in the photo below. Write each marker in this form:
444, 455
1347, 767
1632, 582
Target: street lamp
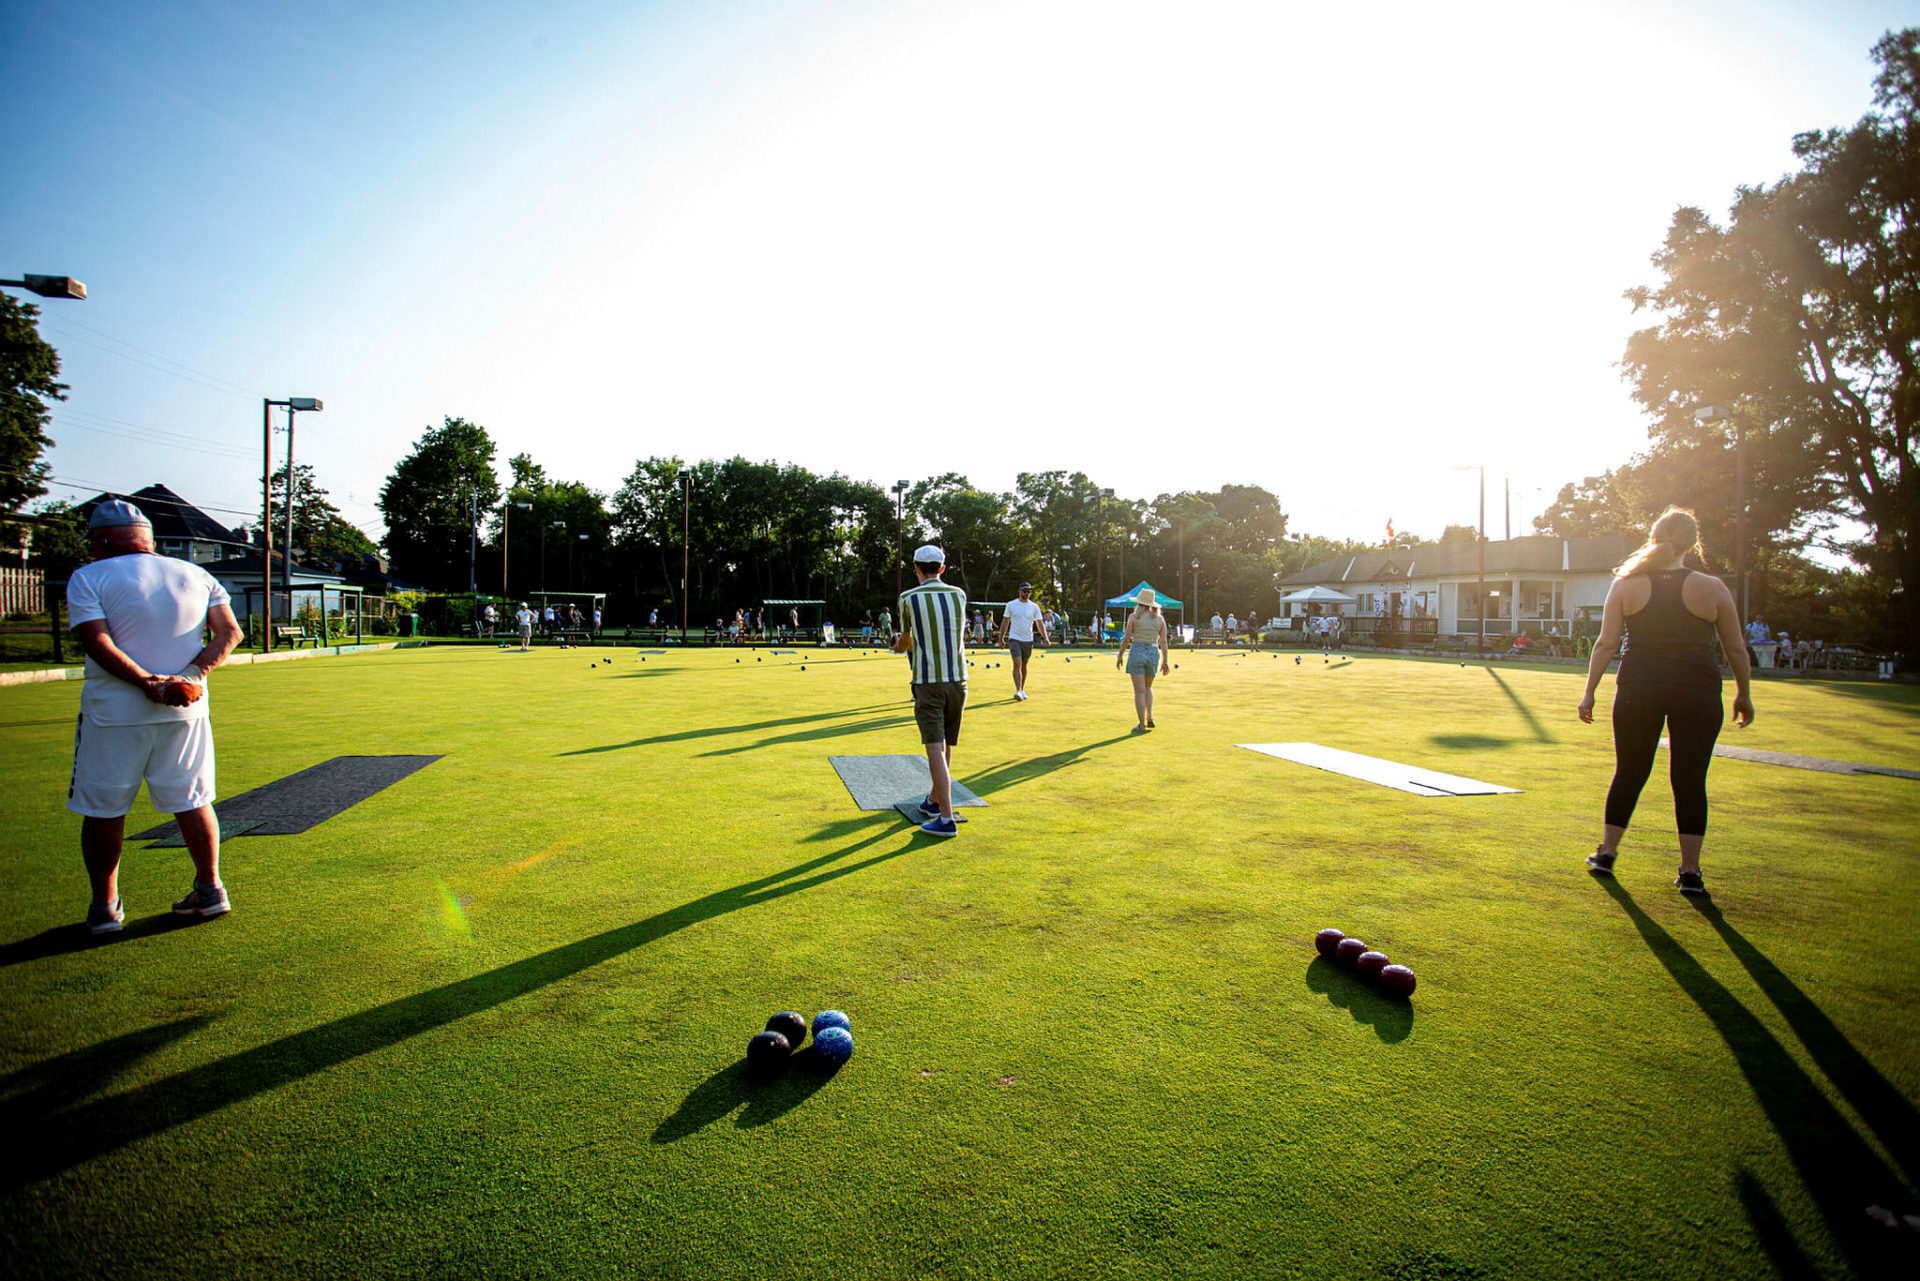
1480, 550
1099, 551
899, 529
1196, 591
293, 404
1706, 416
558, 524
49, 286
686, 527
506, 517
581, 538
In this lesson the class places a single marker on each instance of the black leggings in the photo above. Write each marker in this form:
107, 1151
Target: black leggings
1692, 718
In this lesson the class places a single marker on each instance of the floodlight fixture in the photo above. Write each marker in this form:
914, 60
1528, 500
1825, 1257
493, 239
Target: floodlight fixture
50, 286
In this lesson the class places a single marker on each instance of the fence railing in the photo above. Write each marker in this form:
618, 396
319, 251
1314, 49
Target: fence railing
22, 591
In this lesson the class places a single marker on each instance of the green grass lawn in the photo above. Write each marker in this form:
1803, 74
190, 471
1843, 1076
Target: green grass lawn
490, 1021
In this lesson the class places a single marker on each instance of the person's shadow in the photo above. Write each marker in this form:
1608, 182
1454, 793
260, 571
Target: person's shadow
1841, 1173
1390, 1017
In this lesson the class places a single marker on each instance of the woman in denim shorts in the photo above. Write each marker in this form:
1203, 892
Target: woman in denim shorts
1143, 652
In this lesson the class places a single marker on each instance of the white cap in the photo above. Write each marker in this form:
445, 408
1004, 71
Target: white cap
930, 555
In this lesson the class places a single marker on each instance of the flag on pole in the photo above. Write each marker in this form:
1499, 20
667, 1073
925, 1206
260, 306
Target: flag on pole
1389, 531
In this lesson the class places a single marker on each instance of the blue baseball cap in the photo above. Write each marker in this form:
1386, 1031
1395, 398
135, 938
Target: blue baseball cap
117, 513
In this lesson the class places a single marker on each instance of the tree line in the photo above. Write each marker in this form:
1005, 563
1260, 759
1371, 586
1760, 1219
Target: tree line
1798, 320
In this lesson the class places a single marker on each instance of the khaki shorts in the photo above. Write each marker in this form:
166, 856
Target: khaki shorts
936, 708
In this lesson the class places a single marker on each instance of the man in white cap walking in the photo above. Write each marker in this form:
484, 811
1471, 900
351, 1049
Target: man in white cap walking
933, 623
1017, 622
144, 710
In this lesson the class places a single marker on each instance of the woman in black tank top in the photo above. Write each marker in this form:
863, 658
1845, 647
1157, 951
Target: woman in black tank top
1669, 678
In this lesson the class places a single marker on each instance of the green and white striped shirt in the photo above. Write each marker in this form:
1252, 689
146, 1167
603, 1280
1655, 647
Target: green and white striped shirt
936, 613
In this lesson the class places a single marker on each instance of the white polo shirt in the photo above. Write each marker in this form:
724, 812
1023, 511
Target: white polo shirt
154, 607
1021, 616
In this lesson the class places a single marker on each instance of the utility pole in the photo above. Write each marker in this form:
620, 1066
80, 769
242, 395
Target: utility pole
473, 541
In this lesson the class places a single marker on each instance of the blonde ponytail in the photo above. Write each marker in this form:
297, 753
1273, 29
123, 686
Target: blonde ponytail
1676, 531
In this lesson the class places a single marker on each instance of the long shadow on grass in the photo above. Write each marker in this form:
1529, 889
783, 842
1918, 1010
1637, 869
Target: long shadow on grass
720, 731
841, 730
44, 1144
39, 1088
1390, 1017
1883, 1108
1016, 772
1526, 713
1770, 1228
1842, 1174
74, 938
767, 1097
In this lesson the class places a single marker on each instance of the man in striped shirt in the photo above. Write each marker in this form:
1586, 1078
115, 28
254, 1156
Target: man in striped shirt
933, 620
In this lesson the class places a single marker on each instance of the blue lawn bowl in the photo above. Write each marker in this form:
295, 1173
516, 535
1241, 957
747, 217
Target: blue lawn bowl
833, 1047
831, 1019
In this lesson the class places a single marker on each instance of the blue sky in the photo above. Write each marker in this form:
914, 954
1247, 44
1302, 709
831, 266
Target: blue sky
1333, 250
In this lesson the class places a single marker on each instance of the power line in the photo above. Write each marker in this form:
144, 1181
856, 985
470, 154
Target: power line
198, 380
68, 320
154, 436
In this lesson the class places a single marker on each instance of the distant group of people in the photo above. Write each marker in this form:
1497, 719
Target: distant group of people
548, 620
1801, 654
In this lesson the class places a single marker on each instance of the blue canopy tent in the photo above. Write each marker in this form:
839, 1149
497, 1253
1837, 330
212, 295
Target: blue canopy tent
1132, 598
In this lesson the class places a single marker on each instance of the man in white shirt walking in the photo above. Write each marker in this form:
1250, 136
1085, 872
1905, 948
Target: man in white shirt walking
143, 710
1016, 633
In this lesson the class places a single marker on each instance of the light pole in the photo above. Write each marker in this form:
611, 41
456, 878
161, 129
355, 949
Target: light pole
558, 524
506, 516
1707, 415
1196, 592
686, 526
1480, 550
1099, 553
899, 530
578, 538
293, 404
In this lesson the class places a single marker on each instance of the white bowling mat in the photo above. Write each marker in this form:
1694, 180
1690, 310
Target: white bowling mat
1373, 769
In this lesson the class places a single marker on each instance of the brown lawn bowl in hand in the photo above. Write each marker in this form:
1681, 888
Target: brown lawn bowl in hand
177, 691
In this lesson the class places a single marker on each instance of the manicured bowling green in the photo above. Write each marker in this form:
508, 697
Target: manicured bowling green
492, 1020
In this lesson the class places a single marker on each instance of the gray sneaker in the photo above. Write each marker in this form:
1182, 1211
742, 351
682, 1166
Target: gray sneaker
204, 901
106, 918
1690, 883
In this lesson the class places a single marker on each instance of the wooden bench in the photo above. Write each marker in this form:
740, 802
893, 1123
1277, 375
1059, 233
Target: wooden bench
294, 636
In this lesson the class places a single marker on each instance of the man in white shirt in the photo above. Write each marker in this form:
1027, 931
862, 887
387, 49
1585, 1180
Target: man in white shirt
1216, 624
1016, 633
143, 710
523, 619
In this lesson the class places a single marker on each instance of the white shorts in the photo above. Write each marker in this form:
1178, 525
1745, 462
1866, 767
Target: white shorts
174, 757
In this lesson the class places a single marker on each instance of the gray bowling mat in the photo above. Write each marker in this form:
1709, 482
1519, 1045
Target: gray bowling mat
1794, 761
653, 651
883, 782
288, 806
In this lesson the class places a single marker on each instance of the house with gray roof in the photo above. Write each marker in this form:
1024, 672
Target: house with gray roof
1532, 584
179, 528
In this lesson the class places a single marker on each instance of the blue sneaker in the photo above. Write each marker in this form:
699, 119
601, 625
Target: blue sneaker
106, 918
940, 827
931, 810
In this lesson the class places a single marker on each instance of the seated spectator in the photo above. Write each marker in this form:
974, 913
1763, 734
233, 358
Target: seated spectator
1522, 645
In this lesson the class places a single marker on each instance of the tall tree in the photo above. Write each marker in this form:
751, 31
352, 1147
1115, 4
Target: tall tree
321, 535
1803, 315
428, 503
29, 378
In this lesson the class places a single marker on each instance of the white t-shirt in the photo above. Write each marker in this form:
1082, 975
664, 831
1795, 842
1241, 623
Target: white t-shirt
154, 608
1021, 616
524, 620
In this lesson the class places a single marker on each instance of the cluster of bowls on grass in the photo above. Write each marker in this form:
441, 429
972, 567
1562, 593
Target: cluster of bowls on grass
772, 1050
1363, 960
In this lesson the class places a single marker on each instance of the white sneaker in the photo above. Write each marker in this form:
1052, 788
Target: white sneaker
1020, 695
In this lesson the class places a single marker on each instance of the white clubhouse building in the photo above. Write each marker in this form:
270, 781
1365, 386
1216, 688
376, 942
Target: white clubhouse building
1532, 584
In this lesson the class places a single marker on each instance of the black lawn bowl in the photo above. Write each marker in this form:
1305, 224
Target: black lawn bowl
768, 1053
790, 1024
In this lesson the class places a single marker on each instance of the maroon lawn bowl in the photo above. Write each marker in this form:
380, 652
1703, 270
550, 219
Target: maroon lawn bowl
1370, 964
1397, 979
1326, 940
1349, 951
